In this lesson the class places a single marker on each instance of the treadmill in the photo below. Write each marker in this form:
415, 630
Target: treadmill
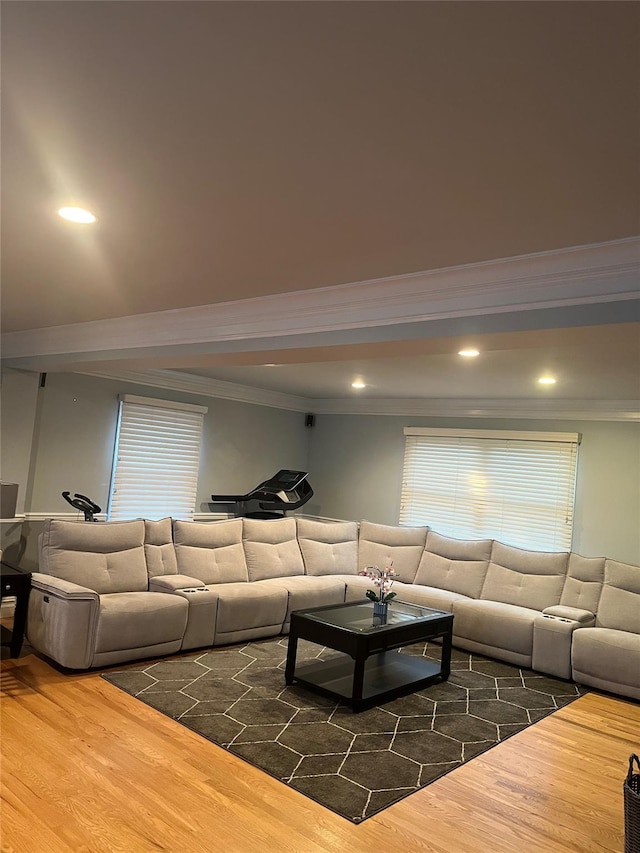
273, 498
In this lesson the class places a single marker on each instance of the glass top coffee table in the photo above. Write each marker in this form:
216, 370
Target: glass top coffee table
374, 668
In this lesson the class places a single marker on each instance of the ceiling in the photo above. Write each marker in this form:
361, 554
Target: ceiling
340, 189
585, 361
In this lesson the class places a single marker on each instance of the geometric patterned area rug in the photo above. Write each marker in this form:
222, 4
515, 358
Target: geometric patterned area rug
354, 764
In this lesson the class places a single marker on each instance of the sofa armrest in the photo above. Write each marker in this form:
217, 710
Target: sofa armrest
173, 583
62, 620
62, 588
203, 607
552, 639
585, 618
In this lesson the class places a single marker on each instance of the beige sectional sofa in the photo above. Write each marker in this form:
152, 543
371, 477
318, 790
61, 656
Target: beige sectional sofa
110, 592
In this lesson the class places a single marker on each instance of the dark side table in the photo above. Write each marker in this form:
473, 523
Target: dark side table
18, 583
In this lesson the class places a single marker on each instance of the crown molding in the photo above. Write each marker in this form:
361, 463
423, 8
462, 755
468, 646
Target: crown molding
600, 272
174, 380
527, 409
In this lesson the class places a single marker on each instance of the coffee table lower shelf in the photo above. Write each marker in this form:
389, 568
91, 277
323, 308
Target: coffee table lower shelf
387, 675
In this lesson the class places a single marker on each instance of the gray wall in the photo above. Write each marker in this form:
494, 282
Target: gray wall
242, 443
62, 437
69, 430
355, 467
18, 395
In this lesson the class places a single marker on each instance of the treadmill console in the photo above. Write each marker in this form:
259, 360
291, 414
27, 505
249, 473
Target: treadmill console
285, 480
284, 491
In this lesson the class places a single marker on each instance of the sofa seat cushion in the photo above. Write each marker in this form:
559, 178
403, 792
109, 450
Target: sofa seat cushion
438, 599
429, 596
608, 659
357, 586
494, 624
133, 620
247, 606
412, 593
304, 592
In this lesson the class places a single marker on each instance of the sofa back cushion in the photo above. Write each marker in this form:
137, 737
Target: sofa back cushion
619, 605
381, 545
158, 548
210, 550
105, 556
531, 579
271, 548
328, 548
583, 584
457, 565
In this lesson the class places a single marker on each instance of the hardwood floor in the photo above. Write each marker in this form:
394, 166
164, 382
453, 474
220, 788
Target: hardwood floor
88, 769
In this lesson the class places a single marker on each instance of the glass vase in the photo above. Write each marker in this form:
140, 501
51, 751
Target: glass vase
380, 609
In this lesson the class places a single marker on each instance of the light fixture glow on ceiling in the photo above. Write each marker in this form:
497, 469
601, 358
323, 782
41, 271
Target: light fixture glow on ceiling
358, 384
546, 380
469, 353
77, 214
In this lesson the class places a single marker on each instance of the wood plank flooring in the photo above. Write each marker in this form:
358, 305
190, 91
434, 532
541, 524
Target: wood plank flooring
88, 769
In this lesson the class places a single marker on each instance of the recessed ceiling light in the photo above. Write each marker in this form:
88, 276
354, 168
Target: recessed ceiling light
546, 380
358, 384
77, 214
469, 353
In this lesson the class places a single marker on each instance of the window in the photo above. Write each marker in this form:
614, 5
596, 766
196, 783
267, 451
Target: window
517, 487
156, 459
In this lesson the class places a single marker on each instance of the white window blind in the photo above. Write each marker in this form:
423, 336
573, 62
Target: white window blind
156, 459
517, 487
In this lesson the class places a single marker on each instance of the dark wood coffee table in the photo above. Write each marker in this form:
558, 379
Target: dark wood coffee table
374, 668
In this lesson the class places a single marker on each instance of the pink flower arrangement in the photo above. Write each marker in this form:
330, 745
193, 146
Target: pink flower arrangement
383, 579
